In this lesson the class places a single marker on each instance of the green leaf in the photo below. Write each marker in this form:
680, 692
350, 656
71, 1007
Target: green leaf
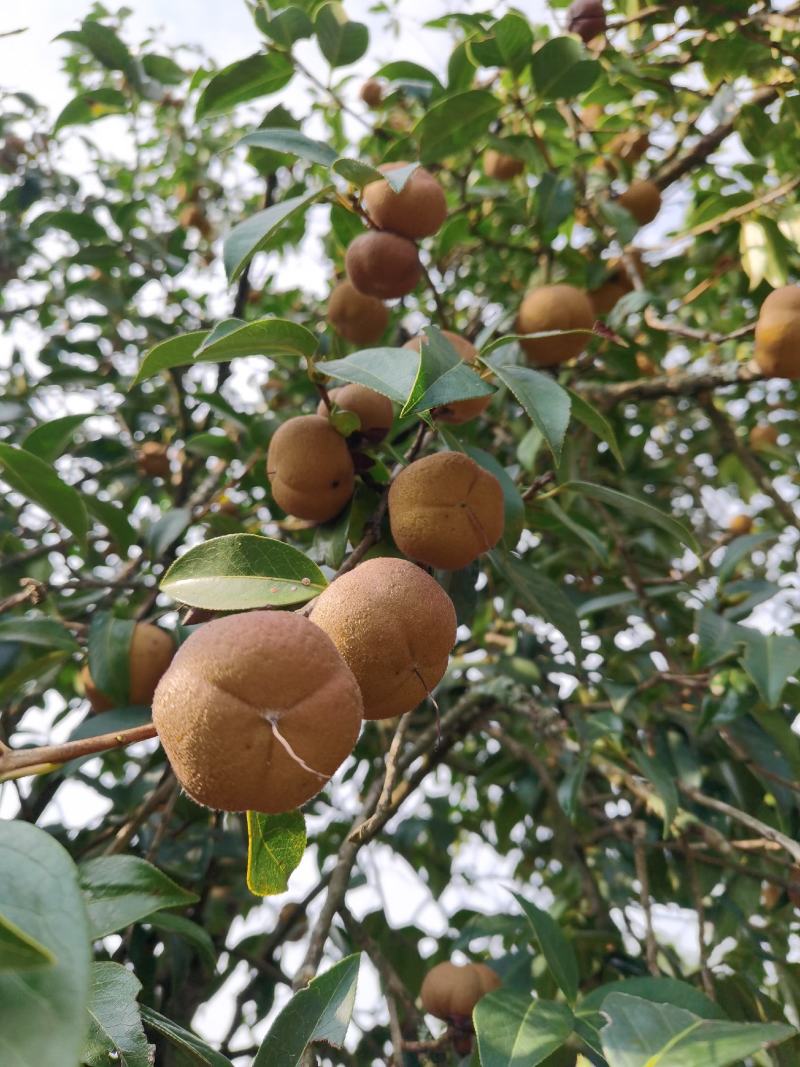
109, 655
254, 234
247, 79
121, 890
442, 376
191, 1049
542, 398
455, 123
664, 784
276, 844
218, 445
657, 989
292, 142
174, 352
167, 530
238, 572
39, 483
642, 1034
19, 951
43, 1011
115, 520
515, 1031
356, 172
89, 107
341, 41
639, 508
320, 1012
583, 411
51, 439
770, 660
740, 549
542, 596
555, 201
115, 1025
557, 951
106, 46
79, 226
562, 69
162, 69
264, 337
290, 25
388, 371
514, 40
180, 926
37, 630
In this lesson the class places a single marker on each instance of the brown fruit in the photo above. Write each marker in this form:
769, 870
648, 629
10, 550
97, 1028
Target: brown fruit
357, 318
451, 990
459, 411
629, 146
310, 468
643, 200
371, 92
394, 626
763, 436
256, 712
777, 349
153, 459
740, 525
192, 215
500, 166
383, 265
150, 654
554, 307
445, 510
417, 211
375, 411
586, 18
618, 284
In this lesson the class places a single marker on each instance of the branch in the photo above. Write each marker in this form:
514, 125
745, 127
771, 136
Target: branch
750, 821
688, 383
19, 762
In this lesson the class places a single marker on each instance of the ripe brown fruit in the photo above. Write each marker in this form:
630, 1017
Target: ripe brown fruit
500, 166
740, 525
371, 92
418, 210
375, 411
554, 307
150, 654
777, 348
357, 318
394, 626
763, 436
383, 265
629, 146
256, 712
459, 411
643, 200
450, 991
152, 459
618, 284
310, 468
445, 510
586, 18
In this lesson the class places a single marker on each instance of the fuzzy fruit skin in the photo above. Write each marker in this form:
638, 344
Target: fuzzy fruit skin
740, 525
310, 469
152, 459
374, 410
389, 620
500, 166
359, 319
586, 18
777, 348
450, 990
383, 265
554, 307
763, 436
371, 92
459, 411
149, 657
643, 200
417, 211
618, 284
211, 708
445, 510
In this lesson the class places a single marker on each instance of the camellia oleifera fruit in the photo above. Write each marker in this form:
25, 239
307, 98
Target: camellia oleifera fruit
587, 18
152, 459
375, 412
357, 318
763, 436
777, 348
501, 167
383, 265
445, 510
618, 284
554, 307
151, 651
450, 991
642, 199
394, 626
310, 468
418, 210
257, 711
458, 411
371, 92
740, 525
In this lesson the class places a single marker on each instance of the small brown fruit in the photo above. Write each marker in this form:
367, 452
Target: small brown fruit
459, 411
629, 146
554, 307
152, 459
618, 284
740, 525
375, 411
394, 626
763, 436
256, 712
192, 215
643, 200
371, 92
586, 18
150, 654
777, 348
357, 318
450, 991
383, 265
418, 210
445, 510
501, 167
310, 468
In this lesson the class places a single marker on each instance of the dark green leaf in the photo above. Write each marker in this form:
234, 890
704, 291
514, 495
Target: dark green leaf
455, 123
120, 890
562, 69
37, 630
659, 990
557, 951
115, 520
442, 376
276, 846
192, 1049
254, 234
39, 483
109, 655
542, 596
89, 107
115, 1025
51, 439
514, 40
341, 41
106, 46
174, 352
247, 79
583, 411
513, 1029
664, 783
292, 142
639, 508
770, 660
19, 951
389, 371
542, 398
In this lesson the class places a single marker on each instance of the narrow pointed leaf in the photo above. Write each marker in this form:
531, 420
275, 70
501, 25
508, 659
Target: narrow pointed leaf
255, 233
36, 480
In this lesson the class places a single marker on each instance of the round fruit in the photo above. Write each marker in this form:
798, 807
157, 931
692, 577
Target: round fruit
418, 210
643, 200
394, 626
371, 92
357, 318
445, 510
740, 525
151, 651
501, 167
256, 712
310, 468
383, 265
586, 18
458, 411
778, 333
763, 436
152, 459
629, 146
451, 990
375, 411
554, 307
618, 284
